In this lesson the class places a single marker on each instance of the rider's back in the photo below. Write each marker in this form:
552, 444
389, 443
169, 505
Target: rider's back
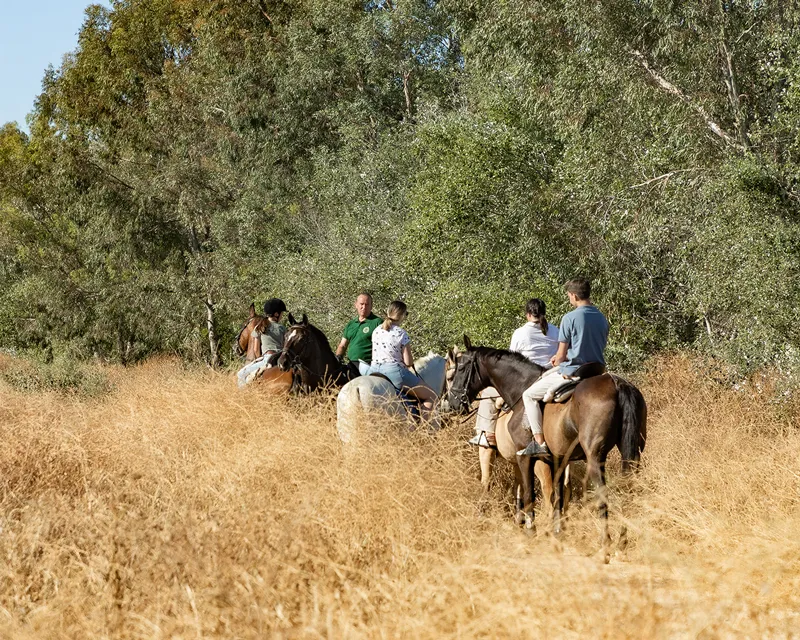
585, 330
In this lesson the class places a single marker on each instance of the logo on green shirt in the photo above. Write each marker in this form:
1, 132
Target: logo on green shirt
359, 336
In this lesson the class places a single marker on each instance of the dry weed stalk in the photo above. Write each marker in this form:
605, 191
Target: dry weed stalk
179, 507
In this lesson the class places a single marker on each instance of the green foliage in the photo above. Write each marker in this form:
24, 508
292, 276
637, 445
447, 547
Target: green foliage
192, 156
65, 374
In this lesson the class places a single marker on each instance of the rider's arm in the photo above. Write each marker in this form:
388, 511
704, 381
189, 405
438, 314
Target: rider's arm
342, 347
561, 354
407, 357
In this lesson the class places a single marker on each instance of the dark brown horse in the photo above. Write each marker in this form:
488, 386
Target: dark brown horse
308, 352
604, 411
248, 344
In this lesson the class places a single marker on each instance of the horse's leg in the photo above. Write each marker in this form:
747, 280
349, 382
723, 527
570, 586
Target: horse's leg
558, 493
519, 514
515, 493
526, 468
486, 457
567, 496
542, 471
596, 472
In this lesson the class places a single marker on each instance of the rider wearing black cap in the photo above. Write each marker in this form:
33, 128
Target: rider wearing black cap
272, 337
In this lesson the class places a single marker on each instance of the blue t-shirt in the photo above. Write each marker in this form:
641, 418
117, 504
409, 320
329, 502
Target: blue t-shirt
585, 330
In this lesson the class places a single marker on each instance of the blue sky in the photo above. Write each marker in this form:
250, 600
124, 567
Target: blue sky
33, 35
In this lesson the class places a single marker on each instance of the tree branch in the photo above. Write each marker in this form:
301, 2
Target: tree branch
407, 93
670, 88
665, 176
734, 98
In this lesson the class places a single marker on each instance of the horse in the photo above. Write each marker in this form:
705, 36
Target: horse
243, 346
507, 422
372, 393
604, 411
248, 345
307, 351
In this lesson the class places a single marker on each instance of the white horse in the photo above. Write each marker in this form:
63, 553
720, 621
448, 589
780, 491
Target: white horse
373, 394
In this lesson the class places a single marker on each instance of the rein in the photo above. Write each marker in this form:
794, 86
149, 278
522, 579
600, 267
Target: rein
463, 394
296, 363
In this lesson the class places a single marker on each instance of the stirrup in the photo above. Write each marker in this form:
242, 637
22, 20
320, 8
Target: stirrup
480, 440
535, 450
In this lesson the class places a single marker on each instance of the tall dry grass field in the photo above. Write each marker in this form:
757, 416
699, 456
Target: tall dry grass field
180, 507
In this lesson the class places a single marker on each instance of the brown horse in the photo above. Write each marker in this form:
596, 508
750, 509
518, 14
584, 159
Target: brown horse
508, 423
248, 344
604, 411
308, 352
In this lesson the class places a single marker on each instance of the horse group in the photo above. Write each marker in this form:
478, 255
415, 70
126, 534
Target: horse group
605, 411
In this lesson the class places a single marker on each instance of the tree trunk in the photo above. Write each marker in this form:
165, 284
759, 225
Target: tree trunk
213, 342
407, 94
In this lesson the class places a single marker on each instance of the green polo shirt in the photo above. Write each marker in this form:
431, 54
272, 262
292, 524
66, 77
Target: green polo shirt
359, 336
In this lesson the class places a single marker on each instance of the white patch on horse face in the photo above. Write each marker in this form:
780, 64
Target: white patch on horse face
291, 335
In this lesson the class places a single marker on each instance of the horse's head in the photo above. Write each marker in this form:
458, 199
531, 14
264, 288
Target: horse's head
463, 376
298, 343
255, 323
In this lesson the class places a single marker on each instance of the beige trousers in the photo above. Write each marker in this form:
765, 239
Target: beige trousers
487, 411
550, 379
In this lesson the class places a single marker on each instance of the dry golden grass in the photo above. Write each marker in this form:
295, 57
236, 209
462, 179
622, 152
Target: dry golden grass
180, 507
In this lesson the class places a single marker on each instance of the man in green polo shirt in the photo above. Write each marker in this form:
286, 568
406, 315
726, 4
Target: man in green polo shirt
357, 336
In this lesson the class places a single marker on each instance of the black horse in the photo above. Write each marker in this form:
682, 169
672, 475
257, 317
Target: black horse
604, 411
306, 351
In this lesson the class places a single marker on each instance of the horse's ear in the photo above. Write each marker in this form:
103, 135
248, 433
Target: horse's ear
252, 310
292, 321
451, 357
467, 342
304, 320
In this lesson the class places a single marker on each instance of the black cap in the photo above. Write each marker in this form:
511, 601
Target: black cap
273, 306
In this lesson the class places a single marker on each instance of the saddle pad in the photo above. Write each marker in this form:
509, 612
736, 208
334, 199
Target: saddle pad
565, 393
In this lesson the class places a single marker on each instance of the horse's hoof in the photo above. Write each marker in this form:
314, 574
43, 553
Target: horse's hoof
529, 523
519, 518
557, 529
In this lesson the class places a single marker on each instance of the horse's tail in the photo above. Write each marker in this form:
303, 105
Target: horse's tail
634, 423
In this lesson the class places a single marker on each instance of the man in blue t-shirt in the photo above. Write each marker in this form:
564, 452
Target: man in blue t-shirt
581, 339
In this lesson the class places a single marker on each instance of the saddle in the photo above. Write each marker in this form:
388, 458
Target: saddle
411, 403
564, 392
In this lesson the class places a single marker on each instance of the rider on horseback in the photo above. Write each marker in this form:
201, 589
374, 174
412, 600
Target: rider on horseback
582, 339
272, 338
357, 335
391, 357
537, 340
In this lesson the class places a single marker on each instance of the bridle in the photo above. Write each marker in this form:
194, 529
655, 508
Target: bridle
237, 347
294, 357
463, 394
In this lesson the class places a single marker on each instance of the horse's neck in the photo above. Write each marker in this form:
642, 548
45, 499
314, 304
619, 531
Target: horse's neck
511, 377
328, 358
328, 364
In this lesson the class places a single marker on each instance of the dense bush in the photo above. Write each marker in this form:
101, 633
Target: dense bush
185, 160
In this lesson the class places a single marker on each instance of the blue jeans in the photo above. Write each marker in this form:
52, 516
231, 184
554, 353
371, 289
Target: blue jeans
399, 374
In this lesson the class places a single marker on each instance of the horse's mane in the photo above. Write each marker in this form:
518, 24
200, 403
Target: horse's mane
502, 354
317, 333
